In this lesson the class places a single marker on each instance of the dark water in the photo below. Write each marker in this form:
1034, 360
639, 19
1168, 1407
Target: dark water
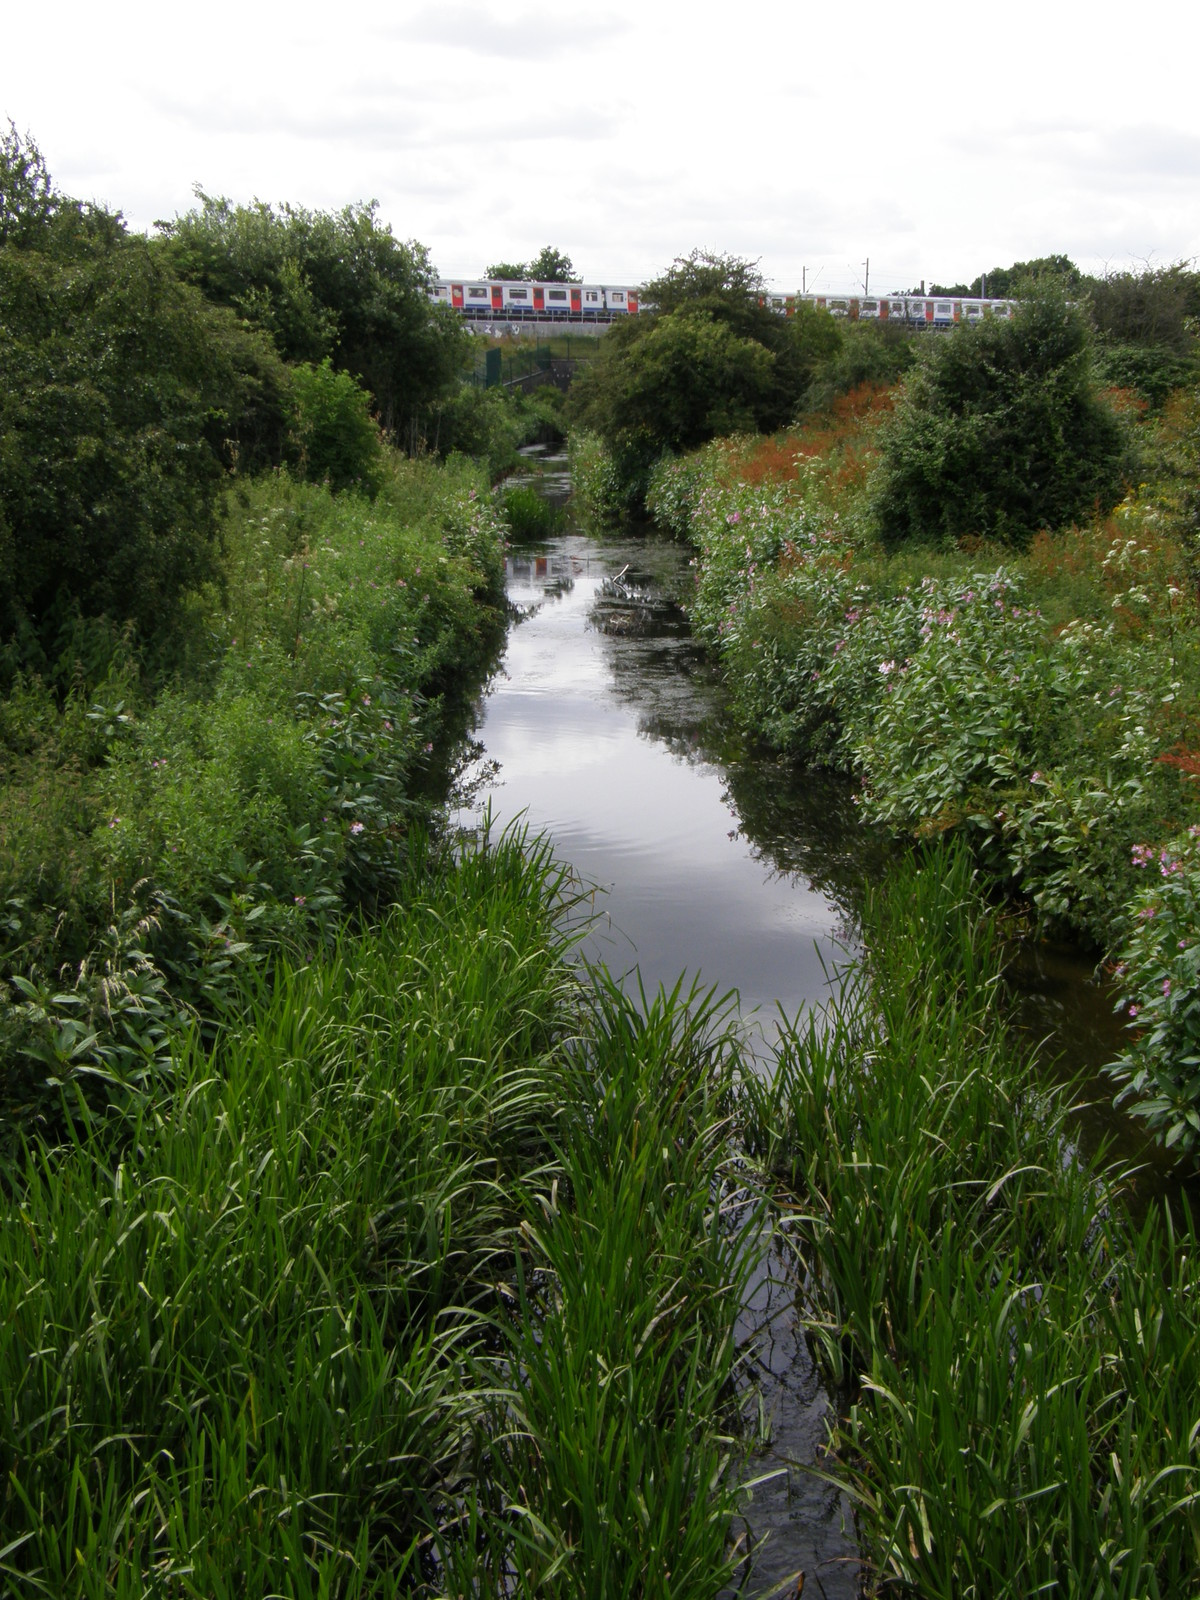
605, 728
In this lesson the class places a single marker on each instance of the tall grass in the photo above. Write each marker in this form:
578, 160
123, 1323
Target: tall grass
1019, 1364
246, 1353
610, 1474
422, 1281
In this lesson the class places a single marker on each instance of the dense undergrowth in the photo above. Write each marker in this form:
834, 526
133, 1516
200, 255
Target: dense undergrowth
1044, 704
167, 823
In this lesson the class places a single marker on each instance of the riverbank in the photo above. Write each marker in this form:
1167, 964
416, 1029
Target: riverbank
1014, 1358
1041, 706
169, 826
418, 1281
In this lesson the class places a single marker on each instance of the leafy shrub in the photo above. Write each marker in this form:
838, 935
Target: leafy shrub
709, 359
868, 353
1000, 432
156, 854
335, 438
602, 495
1159, 981
1152, 372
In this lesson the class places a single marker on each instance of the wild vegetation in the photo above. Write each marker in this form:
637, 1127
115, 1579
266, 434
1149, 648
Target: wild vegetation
708, 360
355, 1241
933, 589
230, 616
1013, 1352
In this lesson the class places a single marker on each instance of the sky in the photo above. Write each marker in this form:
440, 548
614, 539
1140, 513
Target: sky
813, 139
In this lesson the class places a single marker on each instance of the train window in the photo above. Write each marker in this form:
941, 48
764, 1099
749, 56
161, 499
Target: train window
591, 295
556, 294
942, 309
518, 294
477, 294
618, 294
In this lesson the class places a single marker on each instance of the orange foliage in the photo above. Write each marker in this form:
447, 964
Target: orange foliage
1126, 402
1185, 761
844, 427
1074, 552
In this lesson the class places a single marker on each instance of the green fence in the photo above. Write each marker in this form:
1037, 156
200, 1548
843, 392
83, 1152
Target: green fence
519, 361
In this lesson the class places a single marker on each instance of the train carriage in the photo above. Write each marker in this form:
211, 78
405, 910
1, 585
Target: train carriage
593, 302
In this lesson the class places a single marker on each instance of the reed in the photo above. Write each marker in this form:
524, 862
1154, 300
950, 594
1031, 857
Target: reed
1018, 1364
610, 1471
245, 1353
421, 1281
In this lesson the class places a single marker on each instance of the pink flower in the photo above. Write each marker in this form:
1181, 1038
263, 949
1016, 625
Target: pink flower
1166, 985
357, 827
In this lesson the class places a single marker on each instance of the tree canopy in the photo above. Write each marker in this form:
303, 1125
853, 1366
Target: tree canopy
122, 397
328, 284
1021, 279
708, 357
548, 266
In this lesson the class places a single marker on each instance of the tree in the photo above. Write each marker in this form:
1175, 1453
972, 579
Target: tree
120, 391
708, 358
507, 272
999, 432
27, 201
329, 284
548, 266
552, 266
1022, 278
1153, 307
335, 436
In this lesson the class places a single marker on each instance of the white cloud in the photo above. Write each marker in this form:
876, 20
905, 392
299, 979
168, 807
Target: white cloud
626, 136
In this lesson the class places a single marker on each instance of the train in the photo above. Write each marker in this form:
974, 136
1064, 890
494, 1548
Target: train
488, 300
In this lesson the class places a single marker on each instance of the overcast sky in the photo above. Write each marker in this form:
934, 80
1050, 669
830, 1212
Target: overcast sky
810, 138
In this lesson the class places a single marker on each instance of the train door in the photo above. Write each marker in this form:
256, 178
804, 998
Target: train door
497, 297
456, 296
539, 297
576, 302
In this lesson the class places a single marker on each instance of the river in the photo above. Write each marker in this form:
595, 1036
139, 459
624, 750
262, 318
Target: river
605, 728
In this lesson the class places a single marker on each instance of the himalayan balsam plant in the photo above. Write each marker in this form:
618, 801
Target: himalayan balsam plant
1159, 976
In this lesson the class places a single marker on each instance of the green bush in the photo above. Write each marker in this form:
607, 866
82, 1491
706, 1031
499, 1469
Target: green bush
1159, 982
1000, 432
155, 851
124, 396
867, 352
335, 439
709, 358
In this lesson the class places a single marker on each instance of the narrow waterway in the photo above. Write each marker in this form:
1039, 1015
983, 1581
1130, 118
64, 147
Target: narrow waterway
604, 728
